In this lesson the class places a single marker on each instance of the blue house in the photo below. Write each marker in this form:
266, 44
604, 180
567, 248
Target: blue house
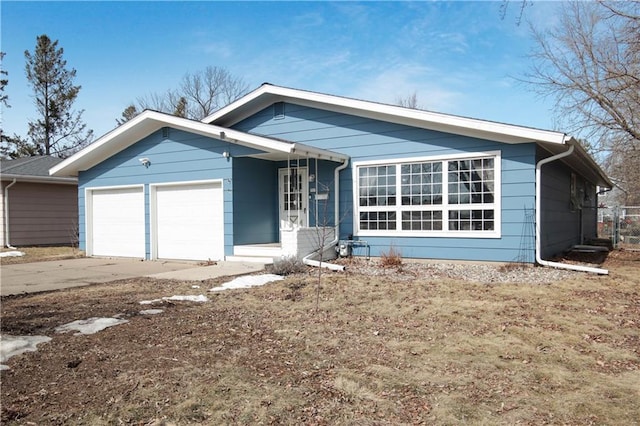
283, 171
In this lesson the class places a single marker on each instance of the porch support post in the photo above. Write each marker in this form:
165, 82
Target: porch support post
287, 190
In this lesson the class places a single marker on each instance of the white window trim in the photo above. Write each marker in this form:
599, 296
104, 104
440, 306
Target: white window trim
444, 208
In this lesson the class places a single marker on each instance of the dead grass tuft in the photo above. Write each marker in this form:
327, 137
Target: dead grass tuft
287, 266
392, 258
41, 254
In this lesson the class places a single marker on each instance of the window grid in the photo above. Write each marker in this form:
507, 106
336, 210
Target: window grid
421, 220
471, 181
471, 220
435, 196
421, 183
385, 220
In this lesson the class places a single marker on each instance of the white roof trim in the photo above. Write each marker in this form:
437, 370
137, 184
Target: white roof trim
267, 94
148, 122
40, 179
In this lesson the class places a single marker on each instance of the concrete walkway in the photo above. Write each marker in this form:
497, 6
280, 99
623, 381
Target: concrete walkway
59, 274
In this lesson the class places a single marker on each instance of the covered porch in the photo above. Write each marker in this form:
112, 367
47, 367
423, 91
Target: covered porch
284, 202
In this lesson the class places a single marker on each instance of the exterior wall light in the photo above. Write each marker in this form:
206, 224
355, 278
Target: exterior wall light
145, 162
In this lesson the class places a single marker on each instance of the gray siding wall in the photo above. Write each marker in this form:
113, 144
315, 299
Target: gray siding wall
562, 223
365, 139
42, 214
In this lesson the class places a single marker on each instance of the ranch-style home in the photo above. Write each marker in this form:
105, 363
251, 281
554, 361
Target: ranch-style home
281, 169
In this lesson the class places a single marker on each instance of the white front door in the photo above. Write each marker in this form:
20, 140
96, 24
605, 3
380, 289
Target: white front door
293, 187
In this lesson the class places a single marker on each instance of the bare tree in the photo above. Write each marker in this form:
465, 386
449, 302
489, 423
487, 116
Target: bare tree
410, 101
590, 64
504, 6
198, 95
210, 89
624, 170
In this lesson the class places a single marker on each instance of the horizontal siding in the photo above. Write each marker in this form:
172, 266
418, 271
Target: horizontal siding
563, 226
255, 186
180, 157
42, 214
365, 139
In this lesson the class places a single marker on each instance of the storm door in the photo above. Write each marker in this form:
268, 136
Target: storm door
293, 188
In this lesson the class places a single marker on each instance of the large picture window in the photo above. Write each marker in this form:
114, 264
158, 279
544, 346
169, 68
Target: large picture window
432, 196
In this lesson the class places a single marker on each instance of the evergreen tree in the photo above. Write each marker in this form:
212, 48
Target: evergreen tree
4, 99
59, 130
129, 112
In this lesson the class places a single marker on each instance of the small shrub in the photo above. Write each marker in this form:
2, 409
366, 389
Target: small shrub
510, 267
391, 258
286, 266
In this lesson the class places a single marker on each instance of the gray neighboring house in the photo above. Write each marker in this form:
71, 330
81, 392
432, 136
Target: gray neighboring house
37, 209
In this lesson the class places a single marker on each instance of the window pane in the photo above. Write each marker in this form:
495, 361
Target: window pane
475, 177
471, 220
420, 180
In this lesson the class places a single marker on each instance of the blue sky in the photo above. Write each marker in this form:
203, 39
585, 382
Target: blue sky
459, 57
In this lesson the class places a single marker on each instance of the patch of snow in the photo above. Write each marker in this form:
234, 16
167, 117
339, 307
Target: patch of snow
152, 311
90, 326
248, 281
11, 254
15, 345
195, 286
199, 298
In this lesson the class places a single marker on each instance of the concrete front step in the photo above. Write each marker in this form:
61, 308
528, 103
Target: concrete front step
272, 251
266, 260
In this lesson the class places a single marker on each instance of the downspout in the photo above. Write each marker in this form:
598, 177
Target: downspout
538, 220
6, 214
307, 259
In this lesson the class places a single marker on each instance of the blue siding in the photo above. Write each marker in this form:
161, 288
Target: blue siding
324, 184
365, 139
255, 201
181, 157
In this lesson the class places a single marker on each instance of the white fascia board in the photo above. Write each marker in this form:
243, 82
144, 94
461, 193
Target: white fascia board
472, 127
321, 154
150, 121
112, 142
249, 97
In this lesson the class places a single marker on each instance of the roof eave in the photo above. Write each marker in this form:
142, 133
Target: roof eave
268, 94
604, 180
40, 179
150, 121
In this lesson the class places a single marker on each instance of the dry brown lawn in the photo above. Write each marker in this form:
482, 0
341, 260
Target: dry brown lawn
39, 254
378, 351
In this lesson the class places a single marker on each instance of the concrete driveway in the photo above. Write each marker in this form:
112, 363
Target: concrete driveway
59, 274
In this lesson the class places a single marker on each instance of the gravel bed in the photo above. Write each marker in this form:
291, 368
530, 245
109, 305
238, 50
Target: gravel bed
483, 273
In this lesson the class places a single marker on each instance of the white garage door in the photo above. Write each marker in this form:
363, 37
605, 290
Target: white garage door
189, 221
117, 222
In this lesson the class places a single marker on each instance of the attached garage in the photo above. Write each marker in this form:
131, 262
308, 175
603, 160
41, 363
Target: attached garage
115, 222
187, 221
